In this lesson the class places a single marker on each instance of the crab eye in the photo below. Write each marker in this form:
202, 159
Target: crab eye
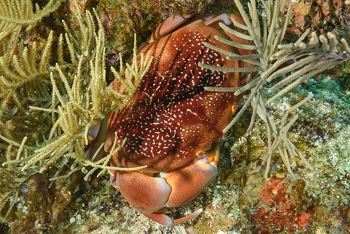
96, 136
93, 131
90, 138
200, 153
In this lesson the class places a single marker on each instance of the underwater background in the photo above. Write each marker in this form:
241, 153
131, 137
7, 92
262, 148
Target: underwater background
240, 199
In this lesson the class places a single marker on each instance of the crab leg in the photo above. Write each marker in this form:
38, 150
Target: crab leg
166, 27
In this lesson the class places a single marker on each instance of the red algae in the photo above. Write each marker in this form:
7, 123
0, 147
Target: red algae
278, 213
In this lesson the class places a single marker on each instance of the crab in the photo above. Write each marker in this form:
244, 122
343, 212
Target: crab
171, 123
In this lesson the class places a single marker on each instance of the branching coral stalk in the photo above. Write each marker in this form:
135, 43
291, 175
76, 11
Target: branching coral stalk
25, 68
79, 100
45, 110
24, 79
319, 54
16, 13
72, 116
128, 79
83, 45
311, 59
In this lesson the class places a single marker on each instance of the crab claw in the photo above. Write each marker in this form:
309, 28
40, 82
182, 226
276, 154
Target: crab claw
150, 195
144, 193
187, 182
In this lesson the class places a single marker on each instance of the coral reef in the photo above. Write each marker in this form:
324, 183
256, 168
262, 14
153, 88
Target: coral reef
240, 200
325, 16
321, 194
121, 19
230, 203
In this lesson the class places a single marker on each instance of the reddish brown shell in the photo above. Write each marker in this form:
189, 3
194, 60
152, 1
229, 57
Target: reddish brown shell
171, 117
